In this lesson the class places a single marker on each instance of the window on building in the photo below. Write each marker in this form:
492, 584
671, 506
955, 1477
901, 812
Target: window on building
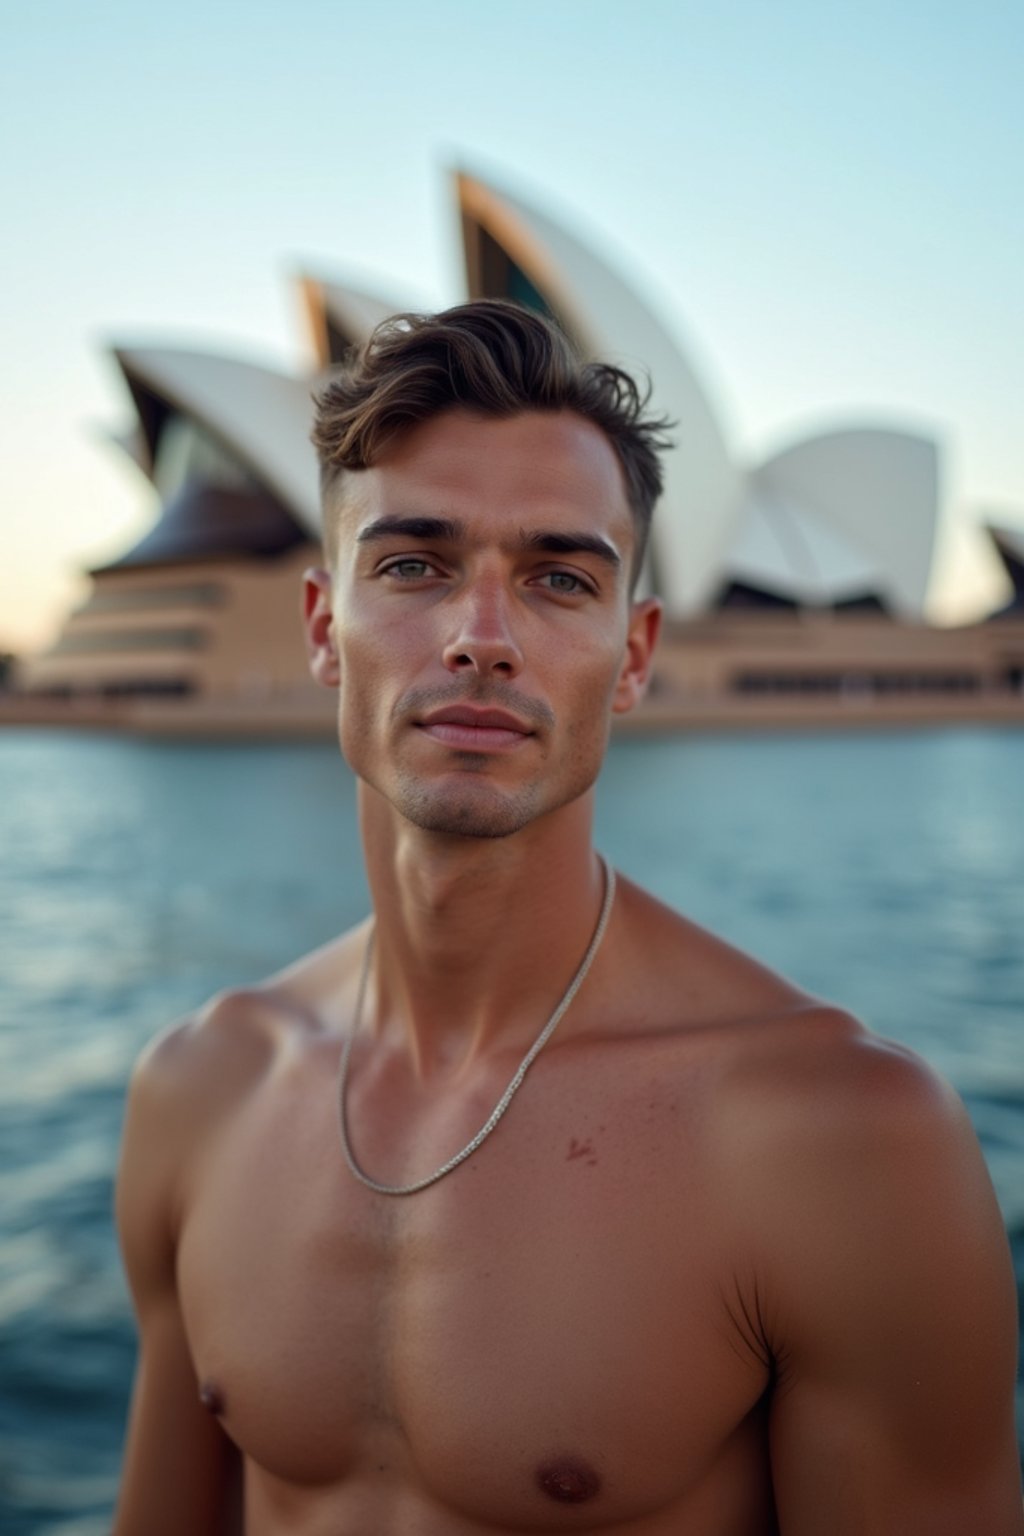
206, 594
101, 641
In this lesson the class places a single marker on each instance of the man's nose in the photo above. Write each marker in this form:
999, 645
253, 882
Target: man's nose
482, 638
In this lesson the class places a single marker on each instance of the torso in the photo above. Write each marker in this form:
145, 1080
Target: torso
558, 1336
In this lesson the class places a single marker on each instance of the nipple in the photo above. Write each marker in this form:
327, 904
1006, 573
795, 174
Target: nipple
568, 1480
211, 1397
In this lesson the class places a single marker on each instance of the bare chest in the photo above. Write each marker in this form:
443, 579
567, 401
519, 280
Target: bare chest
544, 1326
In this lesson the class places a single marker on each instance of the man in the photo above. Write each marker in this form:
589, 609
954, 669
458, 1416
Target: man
719, 1263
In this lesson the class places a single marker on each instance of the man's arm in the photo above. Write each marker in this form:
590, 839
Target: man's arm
889, 1305
181, 1472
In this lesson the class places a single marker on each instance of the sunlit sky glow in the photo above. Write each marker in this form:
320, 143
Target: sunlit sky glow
823, 202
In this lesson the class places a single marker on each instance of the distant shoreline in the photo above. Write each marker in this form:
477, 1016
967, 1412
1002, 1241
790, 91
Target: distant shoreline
278, 719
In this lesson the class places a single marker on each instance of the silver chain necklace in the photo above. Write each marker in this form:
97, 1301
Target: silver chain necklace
521, 1071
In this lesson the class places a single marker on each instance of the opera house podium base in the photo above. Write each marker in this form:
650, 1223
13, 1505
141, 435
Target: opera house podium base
721, 672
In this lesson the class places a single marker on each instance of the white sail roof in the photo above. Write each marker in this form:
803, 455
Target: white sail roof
782, 548
876, 490
262, 416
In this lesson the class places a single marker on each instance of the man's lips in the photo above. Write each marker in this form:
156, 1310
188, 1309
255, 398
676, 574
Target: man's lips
460, 725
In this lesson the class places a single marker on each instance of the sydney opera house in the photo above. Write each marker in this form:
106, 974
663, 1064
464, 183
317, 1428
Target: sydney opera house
794, 588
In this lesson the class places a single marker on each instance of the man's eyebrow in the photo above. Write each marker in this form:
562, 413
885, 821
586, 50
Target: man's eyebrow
571, 543
441, 528
448, 530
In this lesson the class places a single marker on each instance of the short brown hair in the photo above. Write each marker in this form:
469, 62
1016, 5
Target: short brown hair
493, 357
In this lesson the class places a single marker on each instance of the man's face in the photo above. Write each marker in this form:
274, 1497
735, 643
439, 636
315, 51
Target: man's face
480, 629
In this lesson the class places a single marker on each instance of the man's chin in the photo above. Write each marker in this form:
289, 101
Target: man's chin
455, 814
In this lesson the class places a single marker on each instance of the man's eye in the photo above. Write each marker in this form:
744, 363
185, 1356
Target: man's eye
565, 582
408, 570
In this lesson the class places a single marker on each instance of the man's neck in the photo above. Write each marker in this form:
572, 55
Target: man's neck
476, 938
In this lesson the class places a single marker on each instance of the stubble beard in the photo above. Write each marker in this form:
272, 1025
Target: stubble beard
471, 809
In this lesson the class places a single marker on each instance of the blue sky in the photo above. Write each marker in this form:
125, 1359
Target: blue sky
825, 204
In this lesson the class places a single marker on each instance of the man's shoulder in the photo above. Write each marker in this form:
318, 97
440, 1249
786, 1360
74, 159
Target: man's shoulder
868, 1242
837, 1140
802, 1088
192, 1082
781, 1051
815, 1071
225, 1047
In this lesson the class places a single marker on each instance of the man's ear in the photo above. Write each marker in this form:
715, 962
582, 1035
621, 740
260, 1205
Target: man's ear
644, 628
318, 622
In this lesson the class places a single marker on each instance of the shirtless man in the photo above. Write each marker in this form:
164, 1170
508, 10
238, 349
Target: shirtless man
729, 1264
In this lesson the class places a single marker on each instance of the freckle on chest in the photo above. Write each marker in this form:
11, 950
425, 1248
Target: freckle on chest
568, 1480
